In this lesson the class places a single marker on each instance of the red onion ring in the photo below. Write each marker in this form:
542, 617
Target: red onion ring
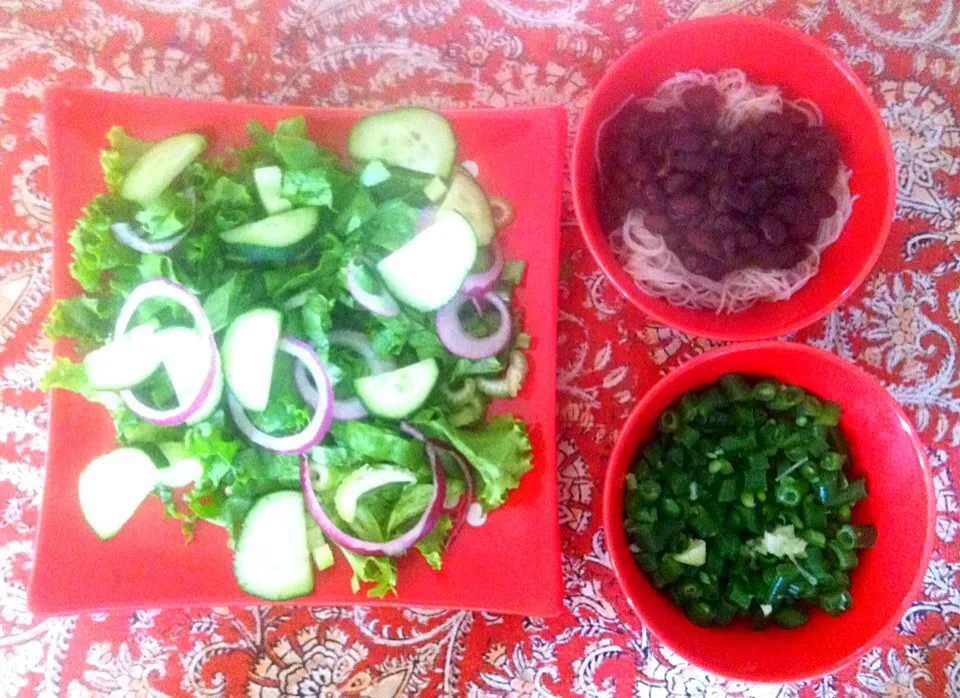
128, 235
467, 499
378, 303
165, 288
319, 424
460, 342
485, 281
391, 548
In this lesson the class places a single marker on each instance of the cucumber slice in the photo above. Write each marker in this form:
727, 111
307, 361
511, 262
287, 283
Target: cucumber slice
363, 480
153, 172
256, 254
249, 351
374, 173
428, 271
320, 550
467, 197
269, 181
180, 351
280, 230
413, 137
272, 560
112, 486
125, 361
183, 469
396, 394
435, 189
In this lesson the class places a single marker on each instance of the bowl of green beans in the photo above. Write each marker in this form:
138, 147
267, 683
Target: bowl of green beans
769, 511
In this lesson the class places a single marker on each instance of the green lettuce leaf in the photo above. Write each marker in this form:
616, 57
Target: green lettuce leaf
434, 543
379, 571
96, 252
499, 451
392, 226
308, 187
166, 216
370, 443
286, 412
124, 151
88, 320
287, 145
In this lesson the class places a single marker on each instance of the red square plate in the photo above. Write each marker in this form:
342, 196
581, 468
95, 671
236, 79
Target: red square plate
511, 564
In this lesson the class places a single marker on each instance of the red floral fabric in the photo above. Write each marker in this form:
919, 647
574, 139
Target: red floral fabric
903, 325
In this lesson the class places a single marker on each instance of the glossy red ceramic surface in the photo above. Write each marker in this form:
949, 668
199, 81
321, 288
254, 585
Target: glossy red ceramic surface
510, 564
769, 53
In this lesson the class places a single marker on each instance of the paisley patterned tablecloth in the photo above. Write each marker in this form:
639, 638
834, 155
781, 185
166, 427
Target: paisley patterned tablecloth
903, 325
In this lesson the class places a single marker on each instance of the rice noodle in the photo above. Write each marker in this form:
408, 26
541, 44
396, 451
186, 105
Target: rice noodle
658, 270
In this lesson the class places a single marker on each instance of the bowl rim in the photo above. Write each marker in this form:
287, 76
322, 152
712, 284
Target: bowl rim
613, 270
612, 495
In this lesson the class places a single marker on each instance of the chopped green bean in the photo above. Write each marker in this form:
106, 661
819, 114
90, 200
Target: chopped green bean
701, 613
735, 387
728, 490
733, 466
836, 602
649, 489
790, 618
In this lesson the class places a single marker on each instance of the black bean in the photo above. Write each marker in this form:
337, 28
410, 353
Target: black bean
641, 171
748, 239
692, 162
657, 224
805, 231
788, 209
653, 192
774, 145
796, 117
688, 141
821, 203
760, 190
742, 167
774, 123
739, 198
702, 98
787, 256
679, 119
729, 246
728, 225
773, 230
702, 241
677, 183
685, 205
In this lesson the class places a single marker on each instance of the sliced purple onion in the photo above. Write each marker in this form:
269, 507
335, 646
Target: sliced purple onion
319, 424
460, 342
463, 505
378, 303
391, 548
426, 218
485, 281
172, 291
130, 235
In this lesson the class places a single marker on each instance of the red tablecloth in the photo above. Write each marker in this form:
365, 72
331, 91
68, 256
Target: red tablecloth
902, 325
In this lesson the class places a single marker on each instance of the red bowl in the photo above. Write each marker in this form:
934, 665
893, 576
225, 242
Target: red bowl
885, 450
769, 53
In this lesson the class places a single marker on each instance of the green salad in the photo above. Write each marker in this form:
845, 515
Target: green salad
300, 351
741, 504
